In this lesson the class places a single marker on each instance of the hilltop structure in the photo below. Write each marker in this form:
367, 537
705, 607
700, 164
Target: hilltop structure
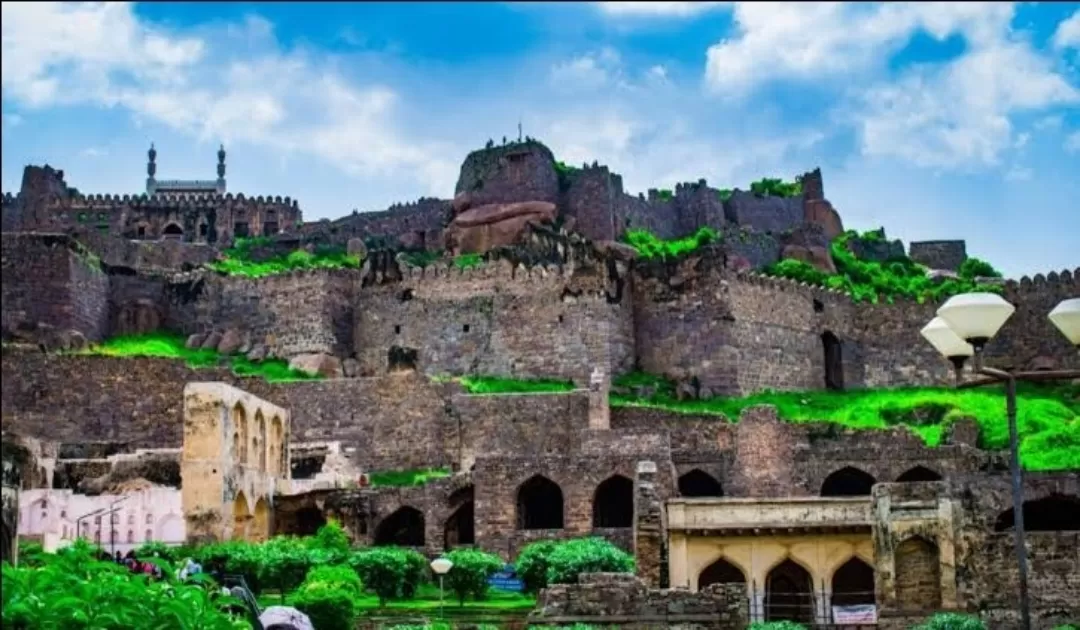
524, 275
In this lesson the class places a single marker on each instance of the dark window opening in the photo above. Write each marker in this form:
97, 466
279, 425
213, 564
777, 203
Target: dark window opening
720, 572
918, 473
461, 526
402, 359
404, 528
853, 584
818, 306
1055, 513
306, 466
240, 230
304, 522
848, 482
788, 594
613, 503
560, 319
140, 231
397, 330
173, 232
697, 483
404, 296
539, 504
834, 361
270, 228
465, 328
204, 229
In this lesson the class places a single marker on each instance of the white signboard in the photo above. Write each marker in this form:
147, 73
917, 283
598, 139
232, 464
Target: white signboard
864, 613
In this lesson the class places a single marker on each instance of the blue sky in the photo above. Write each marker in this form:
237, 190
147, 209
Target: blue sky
936, 120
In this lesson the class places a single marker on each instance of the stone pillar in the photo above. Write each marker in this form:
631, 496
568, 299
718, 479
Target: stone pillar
648, 525
599, 406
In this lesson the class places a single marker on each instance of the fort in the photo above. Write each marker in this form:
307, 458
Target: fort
525, 276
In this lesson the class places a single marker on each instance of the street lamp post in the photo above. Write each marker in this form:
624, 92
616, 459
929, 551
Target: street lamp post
963, 327
78, 521
441, 566
112, 523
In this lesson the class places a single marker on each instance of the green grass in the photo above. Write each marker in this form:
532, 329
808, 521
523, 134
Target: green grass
427, 598
169, 346
236, 261
648, 246
497, 385
1048, 417
422, 258
406, 478
871, 281
775, 187
468, 261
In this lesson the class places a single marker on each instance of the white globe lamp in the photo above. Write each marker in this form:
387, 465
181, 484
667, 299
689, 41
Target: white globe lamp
976, 317
441, 566
1066, 316
948, 343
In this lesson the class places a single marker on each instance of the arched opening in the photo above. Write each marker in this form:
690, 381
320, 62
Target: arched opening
918, 473
305, 521
172, 232
404, 528
788, 594
7, 543
697, 483
613, 503
460, 528
848, 482
834, 361
853, 584
1055, 513
277, 433
261, 525
720, 572
260, 422
539, 504
239, 419
917, 568
241, 517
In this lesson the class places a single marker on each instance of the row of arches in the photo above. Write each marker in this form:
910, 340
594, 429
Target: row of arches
251, 524
257, 448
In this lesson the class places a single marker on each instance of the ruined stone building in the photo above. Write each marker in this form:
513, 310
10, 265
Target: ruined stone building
807, 517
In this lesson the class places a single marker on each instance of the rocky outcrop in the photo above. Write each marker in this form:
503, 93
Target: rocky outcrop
820, 212
317, 365
479, 230
810, 244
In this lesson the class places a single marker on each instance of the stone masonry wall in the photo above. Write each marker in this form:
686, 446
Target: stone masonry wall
46, 279
624, 601
938, 254
591, 199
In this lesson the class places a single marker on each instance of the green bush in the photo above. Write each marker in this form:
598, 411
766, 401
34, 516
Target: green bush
586, 555
776, 625
952, 621
237, 261
775, 187
648, 246
332, 537
532, 565
329, 606
974, 268
389, 572
470, 573
72, 589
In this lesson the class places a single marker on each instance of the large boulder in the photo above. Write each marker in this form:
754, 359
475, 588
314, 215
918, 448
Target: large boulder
285, 618
821, 212
483, 228
817, 256
317, 364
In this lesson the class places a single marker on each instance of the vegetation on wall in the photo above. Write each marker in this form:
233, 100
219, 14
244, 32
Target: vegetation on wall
874, 281
237, 260
648, 246
406, 478
423, 258
476, 384
1048, 416
163, 345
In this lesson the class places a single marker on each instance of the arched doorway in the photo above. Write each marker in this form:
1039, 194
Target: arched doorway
1055, 513
834, 361
918, 473
698, 483
789, 594
853, 584
260, 422
720, 572
460, 528
261, 525
241, 517
278, 454
172, 232
539, 504
848, 482
917, 568
404, 528
240, 437
613, 503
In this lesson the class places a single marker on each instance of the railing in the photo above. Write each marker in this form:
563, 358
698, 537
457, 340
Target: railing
846, 610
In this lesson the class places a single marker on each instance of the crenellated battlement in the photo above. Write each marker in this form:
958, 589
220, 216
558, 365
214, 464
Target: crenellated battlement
194, 200
1065, 280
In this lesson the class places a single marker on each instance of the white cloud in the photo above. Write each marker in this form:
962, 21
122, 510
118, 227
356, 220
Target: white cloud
1067, 34
588, 72
230, 85
658, 9
1072, 142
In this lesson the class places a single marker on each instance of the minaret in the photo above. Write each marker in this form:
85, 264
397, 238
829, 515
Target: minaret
151, 170
221, 170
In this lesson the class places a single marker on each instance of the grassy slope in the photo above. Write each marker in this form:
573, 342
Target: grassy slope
236, 261
167, 346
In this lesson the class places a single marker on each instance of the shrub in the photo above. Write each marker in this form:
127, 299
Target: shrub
974, 268
470, 573
280, 562
339, 576
776, 625
586, 555
329, 606
649, 246
952, 621
332, 537
389, 572
532, 565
